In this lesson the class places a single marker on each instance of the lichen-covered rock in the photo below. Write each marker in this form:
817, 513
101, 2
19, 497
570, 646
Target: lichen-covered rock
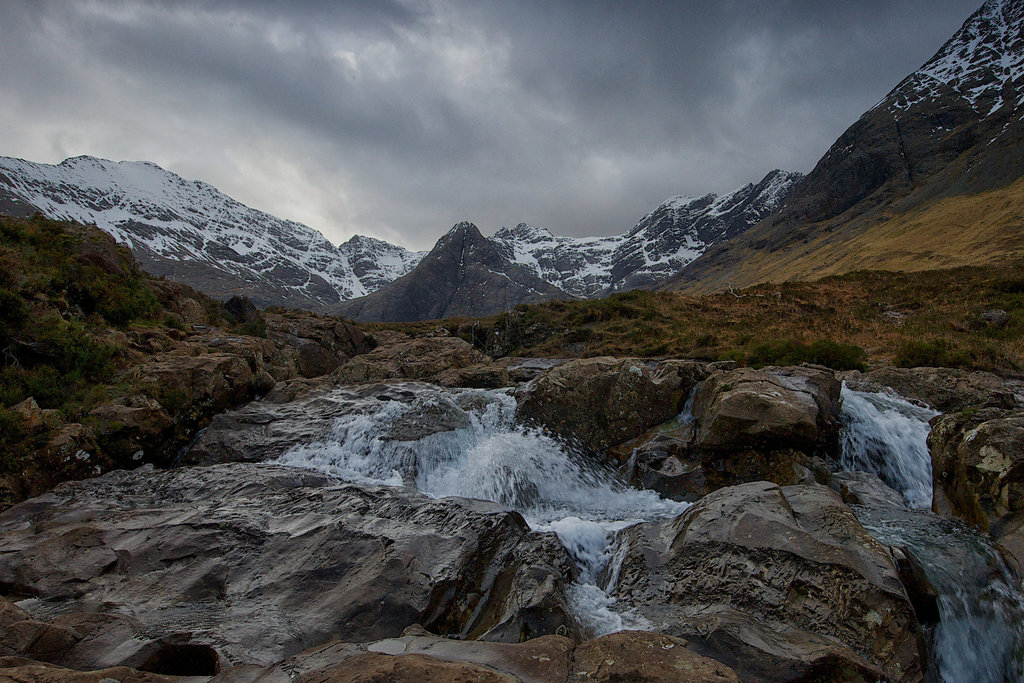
746, 425
778, 583
601, 402
258, 562
978, 472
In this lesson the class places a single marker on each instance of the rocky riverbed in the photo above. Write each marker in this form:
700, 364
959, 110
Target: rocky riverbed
420, 511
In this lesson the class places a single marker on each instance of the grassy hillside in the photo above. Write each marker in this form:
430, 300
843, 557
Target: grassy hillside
864, 318
979, 229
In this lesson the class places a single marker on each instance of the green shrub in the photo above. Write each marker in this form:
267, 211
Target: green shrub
822, 352
913, 353
72, 349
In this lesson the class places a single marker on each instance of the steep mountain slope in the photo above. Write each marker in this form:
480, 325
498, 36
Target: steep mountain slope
661, 243
464, 274
192, 233
895, 189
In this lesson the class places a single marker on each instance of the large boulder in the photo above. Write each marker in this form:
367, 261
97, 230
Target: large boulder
601, 402
313, 344
944, 389
257, 562
746, 425
789, 407
780, 583
978, 472
420, 358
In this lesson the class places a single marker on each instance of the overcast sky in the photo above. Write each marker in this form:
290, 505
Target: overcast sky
398, 119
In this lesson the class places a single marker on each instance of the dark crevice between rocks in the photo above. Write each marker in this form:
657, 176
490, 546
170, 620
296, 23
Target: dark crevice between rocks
183, 659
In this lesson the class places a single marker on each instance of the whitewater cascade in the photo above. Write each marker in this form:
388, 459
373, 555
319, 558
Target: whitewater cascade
494, 459
980, 633
488, 456
887, 435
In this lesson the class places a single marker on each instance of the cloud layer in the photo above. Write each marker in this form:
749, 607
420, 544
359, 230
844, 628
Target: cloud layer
398, 119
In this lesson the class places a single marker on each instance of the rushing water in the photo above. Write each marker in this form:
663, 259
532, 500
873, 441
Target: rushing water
980, 634
887, 435
979, 637
494, 459
490, 457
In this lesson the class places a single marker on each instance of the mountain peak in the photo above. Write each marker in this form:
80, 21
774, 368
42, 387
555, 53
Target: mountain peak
983, 63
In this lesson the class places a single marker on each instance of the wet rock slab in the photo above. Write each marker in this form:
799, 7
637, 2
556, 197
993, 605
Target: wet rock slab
418, 655
264, 430
260, 562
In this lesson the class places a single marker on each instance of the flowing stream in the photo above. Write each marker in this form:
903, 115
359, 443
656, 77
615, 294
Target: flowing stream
488, 456
980, 633
492, 458
886, 435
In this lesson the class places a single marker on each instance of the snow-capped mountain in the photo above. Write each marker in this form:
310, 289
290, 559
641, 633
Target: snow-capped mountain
191, 232
464, 274
952, 129
661, 243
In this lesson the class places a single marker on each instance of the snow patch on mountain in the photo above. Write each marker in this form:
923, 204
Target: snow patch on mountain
660, 244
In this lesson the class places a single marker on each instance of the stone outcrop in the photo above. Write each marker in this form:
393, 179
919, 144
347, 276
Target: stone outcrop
774, 424
419, 358
978, 472
601, 402
944, 389
314, 345
192, 555
778, 583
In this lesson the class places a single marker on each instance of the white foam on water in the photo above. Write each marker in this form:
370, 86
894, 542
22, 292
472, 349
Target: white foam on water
887, 435
495, 459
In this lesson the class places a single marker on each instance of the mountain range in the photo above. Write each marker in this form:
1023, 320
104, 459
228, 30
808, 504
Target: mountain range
929, 177
190, 232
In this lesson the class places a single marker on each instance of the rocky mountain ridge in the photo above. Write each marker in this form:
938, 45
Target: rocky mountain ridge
679, 230
464, 274
190, 232
927, 178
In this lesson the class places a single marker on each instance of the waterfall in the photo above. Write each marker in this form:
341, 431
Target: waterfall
887, 435
486, 455
493, 458
980, 634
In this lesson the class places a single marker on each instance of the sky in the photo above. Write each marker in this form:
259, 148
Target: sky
398, 119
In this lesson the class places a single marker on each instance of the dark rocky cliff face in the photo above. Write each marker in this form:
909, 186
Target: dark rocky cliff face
464, 274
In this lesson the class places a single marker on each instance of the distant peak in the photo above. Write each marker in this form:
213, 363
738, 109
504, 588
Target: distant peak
464, 227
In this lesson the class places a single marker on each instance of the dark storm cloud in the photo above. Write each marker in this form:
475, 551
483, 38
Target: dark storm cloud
399, 118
